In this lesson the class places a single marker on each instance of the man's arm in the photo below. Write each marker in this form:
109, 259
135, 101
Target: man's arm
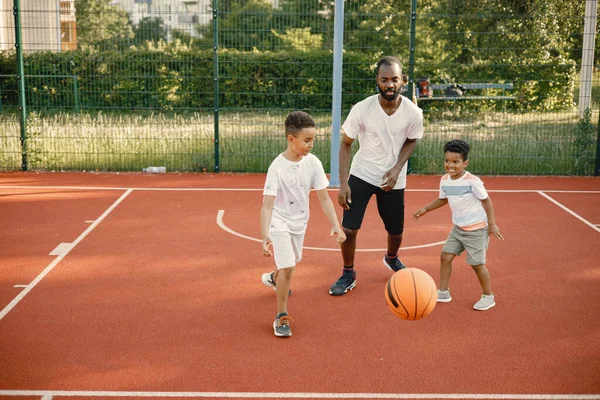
391, 177
344, 195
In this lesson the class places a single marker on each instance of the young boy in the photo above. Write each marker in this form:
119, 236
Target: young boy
285, 209
473, 217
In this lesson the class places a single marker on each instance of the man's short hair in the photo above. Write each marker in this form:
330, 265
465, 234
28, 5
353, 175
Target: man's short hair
458, 146
298, 120
387, 60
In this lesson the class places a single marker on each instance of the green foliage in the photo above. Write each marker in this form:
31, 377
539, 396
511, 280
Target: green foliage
177, 76
99, 23
585, 135
150, 29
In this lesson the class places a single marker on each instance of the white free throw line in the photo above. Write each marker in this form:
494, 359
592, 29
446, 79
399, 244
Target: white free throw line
222, 225
585, 221
48, 394
55, 262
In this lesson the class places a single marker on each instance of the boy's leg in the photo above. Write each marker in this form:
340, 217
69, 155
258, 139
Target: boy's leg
484, 278
284, 279
445, 269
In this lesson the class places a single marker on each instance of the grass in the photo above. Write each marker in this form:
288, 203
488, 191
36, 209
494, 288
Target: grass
502, 143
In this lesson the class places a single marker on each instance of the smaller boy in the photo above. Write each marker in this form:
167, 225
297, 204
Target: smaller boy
285, 209
473, 218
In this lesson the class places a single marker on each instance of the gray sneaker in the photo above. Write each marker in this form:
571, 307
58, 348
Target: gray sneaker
444, 296
281, 326
486, 302
267, 279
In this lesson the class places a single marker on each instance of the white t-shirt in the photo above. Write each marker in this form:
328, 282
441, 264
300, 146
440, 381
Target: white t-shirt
464, 198
381, 137
290, 182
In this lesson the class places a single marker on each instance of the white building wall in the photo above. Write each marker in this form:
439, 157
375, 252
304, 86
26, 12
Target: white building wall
40, 25
176, 14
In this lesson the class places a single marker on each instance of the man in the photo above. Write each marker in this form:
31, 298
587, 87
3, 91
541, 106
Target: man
387, 127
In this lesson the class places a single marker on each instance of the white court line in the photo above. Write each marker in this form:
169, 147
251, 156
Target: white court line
48, 394
585, 221
58, 259
222, 225
261, 189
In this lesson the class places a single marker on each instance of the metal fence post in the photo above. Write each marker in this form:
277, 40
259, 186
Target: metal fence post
216, 81
21, 79
77, 106
597, 166
336, 109
411, 59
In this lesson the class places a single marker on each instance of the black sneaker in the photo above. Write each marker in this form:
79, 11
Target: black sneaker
346, 282
393, 263
281, 326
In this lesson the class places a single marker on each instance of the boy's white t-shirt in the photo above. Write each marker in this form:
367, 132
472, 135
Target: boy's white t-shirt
464, 198
381, 137
290, 182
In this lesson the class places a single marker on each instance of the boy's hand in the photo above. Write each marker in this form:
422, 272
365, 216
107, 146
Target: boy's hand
494, 230
341, 236
266, 243
419, 213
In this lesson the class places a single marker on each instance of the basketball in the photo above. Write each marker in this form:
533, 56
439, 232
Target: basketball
411, 294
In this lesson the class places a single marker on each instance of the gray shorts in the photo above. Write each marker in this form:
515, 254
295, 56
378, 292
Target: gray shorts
475, 242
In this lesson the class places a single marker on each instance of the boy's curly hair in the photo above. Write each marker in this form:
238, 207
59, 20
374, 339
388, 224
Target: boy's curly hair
458, 146
298, 120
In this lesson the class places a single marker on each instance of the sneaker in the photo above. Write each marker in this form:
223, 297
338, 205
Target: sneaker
281, 326
268, 280
444, 296
346, 282
393, 263
486, 302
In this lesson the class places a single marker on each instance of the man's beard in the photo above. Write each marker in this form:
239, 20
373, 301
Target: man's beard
389, 97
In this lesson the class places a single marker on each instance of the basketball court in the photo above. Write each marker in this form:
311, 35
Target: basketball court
139, 285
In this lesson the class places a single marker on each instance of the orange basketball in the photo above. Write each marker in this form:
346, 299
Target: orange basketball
411, 293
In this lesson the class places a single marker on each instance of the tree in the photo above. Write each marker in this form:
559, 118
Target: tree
100, 23
150, 29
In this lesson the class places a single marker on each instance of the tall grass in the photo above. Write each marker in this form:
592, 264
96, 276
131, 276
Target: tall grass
502, 143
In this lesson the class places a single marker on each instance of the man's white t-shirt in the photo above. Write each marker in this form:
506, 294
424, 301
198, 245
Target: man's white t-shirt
290, 182
381, 137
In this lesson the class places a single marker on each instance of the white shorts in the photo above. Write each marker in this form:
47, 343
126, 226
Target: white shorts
287, 248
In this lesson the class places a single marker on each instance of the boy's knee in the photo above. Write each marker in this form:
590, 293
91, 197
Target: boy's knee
447, 257
286, 273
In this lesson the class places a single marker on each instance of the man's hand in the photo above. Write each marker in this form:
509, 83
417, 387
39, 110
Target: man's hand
390, 178
344, 196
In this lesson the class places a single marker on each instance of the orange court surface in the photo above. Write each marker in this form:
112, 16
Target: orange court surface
147, 286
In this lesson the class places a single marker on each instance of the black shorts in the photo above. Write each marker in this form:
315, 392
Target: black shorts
390, 205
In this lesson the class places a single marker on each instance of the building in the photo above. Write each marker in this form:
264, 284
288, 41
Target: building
182, 15
45, 25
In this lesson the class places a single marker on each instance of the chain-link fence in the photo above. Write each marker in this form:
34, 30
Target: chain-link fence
204, 85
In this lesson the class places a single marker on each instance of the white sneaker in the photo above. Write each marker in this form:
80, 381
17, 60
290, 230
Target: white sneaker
444, 296
267, 279
485, 303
